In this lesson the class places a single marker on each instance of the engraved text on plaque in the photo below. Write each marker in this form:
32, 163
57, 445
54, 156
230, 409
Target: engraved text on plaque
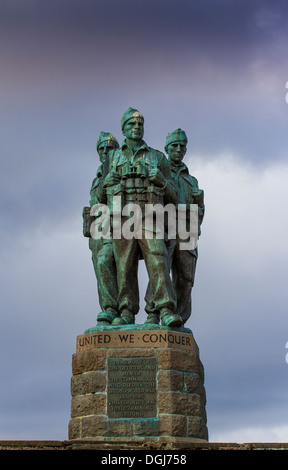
132, 387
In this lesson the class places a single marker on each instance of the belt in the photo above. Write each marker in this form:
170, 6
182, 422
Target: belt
136, 197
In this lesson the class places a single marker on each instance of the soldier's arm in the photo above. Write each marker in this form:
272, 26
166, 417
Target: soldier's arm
93, 198
198, 198
100, 188
160, 175
97, 192
170, 193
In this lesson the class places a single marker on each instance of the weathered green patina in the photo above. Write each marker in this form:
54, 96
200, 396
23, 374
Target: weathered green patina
183, 262
137, 174
102, 249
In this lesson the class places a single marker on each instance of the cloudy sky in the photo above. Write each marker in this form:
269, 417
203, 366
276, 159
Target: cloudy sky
216, 68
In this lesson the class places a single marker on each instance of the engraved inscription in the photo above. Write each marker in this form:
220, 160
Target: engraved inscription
139, 339
132, 388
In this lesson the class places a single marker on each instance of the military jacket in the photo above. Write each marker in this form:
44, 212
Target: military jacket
133, 169
188, 189
96, 182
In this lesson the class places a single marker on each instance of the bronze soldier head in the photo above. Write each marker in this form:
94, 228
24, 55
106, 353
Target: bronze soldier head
132, 124
105, 143
176, 146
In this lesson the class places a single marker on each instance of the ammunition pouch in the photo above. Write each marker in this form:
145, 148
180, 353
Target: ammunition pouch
87, 221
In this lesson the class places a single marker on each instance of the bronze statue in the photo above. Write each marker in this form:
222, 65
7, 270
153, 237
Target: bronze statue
141, 175
102, 249
183, 262
137, 177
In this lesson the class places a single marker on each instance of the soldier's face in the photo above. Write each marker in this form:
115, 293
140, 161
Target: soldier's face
176, 151
104, 149
134, 129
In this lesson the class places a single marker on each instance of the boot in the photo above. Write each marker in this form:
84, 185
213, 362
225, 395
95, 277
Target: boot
153, 319
106, 317
168, 318
126, 318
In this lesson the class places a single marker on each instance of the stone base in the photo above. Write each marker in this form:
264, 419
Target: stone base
138, 384
104, 446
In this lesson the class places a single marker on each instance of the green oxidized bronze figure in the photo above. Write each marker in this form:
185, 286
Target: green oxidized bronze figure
139, 177
183, 262
102, 249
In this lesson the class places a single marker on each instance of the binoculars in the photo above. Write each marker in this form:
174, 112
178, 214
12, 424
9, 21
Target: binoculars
139, 170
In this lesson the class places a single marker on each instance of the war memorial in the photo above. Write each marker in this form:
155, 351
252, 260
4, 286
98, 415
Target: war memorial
141, 383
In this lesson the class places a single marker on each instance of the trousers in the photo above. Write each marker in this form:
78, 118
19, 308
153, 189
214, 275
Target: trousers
154, 252
105, 271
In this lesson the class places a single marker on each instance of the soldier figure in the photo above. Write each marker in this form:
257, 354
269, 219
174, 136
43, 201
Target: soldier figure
102, 248
183, 262
140, 175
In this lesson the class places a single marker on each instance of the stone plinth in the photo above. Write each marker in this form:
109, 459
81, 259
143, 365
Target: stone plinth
137, 383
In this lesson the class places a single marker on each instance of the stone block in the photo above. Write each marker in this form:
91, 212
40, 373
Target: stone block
172, 403
193, 383
195, 405
172, 425
171, 380
177, 359
89, 382
74, 428
85, 361
88, 405
94, 426
120, 427
196, 427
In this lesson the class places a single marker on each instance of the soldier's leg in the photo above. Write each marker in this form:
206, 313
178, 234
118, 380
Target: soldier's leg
183, 273
105, 270
162, 295
153, 312
126, 256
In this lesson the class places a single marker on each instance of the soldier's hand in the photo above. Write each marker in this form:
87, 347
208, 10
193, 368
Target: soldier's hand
197, 195
112, 178
156, 177
196, 192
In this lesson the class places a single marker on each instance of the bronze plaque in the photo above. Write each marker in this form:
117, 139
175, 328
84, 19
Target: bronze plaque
132, 387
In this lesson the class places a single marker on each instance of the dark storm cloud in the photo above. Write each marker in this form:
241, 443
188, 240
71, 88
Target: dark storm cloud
202, 16
221, 66
199, 64
225, 27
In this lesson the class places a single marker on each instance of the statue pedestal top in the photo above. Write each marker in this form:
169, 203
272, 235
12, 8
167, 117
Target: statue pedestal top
136, 336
